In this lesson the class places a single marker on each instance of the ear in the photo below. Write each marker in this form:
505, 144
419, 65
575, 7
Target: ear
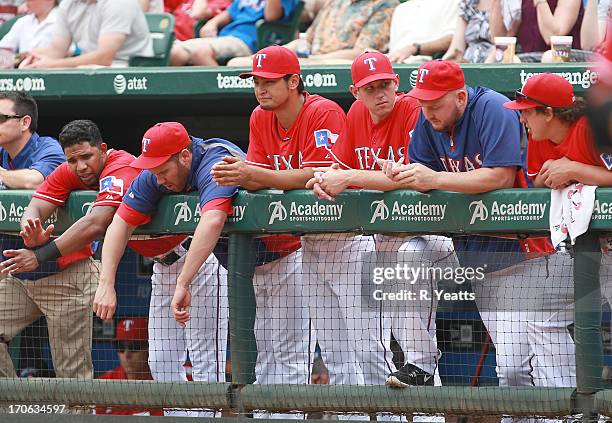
549, 114
25, 123
185, 157
462, 97
294, 82
103, 147
355, 91
397, 82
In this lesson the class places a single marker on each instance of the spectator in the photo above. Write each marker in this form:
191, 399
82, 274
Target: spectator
596, 18
533, 22
472, 41
107, 32
132, 344
30, 158
187, 13
34, 30
421, 28
342, 31
237, 36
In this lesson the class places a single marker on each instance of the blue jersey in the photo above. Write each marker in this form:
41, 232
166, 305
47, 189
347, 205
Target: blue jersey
145, 193
487, 135
43, 154
245, 13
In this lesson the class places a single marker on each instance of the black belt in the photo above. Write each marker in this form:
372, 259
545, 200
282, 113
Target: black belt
172, 257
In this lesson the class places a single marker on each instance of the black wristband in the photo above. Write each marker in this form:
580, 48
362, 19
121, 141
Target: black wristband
47, 252
418, 49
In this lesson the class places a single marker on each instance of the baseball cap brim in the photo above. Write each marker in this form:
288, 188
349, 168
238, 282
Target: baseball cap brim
426, 95
267, 75
375, 77
143, 162
520, 105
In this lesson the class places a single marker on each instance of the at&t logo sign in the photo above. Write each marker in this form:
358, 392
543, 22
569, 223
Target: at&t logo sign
121, 84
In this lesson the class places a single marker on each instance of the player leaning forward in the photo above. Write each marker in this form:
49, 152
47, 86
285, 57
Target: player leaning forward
175, 162
465, 141
378, 126
290, 133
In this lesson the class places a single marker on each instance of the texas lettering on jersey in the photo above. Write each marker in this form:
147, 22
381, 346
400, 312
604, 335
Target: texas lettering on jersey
367, 156
468, 163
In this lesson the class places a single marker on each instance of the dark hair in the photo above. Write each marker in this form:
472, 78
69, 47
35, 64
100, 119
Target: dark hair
188, 147
568, 114
300, 87
23, 105
79, 131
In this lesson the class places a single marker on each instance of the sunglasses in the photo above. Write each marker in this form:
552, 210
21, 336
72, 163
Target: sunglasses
518, 95
132, 346
4, 118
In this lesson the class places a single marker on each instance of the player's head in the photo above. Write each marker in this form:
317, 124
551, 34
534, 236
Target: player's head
18, 117
546, 98
131, 342
374, 83
441, 92
276, 77
167, 154
84, 149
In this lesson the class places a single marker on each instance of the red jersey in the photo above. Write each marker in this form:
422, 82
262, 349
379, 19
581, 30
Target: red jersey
115, 178
362, 141
305, 144
577, 146
119, 373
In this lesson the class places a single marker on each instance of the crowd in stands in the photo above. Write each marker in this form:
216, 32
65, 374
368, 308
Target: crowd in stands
212, 32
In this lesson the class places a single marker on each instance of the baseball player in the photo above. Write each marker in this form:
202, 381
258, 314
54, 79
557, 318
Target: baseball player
379, 125
131, 342
177, 163
560, 152
466, 142
312, 124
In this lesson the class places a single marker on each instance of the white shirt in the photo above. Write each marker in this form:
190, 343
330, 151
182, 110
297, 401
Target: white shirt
28, 33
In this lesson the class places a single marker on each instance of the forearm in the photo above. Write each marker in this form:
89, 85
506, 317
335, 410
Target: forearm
221, 19
204, 240
436, 46
22, 178
115, 241
538, 182
474, 182
546, 21
279, 179
198, 9
591, 175
95, 57
589, 30
369, 179
273, 10
79, 235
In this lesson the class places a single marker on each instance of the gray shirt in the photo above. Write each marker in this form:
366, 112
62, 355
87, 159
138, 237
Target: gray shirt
83, 21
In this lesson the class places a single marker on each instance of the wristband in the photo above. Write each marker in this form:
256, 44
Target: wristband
47, 252
417, 46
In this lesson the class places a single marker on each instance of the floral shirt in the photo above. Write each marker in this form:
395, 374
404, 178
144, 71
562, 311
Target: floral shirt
477, 35
346, 24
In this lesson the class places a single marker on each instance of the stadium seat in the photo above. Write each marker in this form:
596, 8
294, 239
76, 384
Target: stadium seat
6, 26
269, 33
161, 26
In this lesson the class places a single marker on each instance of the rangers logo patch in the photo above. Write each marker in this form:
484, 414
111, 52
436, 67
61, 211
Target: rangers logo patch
607, 160
112, 185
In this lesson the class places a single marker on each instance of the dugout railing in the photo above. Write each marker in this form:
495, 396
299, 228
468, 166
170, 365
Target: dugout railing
521, 212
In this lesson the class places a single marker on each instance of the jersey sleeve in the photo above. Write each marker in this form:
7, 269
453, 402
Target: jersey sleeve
534, 159
326, 127
49, 156
499, 133
142, 197
58, 186
113, 186
207, 189
420, 148
256, 154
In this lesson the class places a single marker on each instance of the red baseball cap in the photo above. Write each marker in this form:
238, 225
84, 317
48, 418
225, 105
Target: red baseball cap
543, 90
132, 329
436, 78
371, 66
161, 142
274, 62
